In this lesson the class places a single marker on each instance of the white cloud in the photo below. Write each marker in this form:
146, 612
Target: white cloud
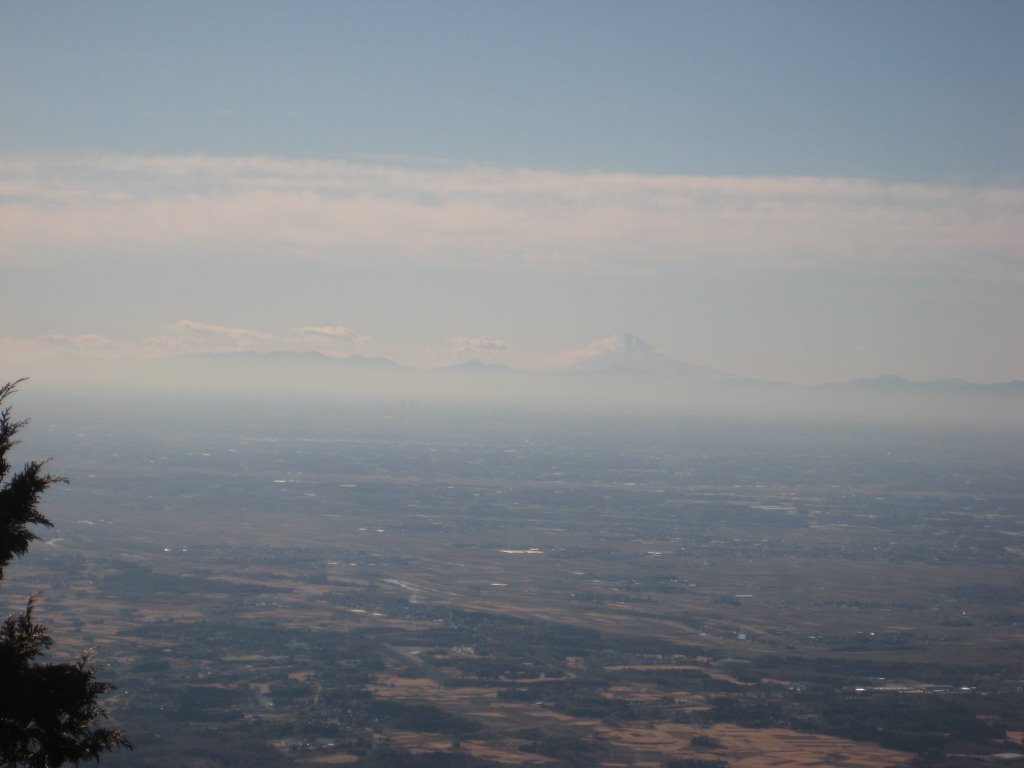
182, 338
471, 345
57, 344
595, 348
338, 332
190, 337
223, 331
152, 207
83, 341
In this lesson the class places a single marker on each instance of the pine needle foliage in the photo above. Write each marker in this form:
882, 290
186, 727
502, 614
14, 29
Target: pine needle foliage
49, 712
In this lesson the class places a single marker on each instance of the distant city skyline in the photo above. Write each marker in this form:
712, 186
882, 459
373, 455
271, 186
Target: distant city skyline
795, 191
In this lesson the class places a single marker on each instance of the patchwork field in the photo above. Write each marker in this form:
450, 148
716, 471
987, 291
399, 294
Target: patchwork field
592, 603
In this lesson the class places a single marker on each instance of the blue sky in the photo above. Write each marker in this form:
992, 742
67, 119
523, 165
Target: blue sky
800, 190
908, 90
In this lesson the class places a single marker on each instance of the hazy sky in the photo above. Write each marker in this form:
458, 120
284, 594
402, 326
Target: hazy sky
798, 190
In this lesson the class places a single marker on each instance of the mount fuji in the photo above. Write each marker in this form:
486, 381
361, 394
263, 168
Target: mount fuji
626, 353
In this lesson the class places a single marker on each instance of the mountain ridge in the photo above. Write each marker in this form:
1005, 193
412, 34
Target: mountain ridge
617, 356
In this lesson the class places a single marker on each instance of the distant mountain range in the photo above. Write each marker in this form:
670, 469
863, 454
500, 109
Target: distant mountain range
896, 384
615, 357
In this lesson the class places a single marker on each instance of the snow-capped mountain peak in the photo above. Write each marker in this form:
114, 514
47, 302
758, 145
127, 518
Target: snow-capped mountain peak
628, 353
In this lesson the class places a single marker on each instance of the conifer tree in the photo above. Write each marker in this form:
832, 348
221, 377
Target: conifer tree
49, 712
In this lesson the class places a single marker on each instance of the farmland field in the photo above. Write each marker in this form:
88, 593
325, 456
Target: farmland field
475, 589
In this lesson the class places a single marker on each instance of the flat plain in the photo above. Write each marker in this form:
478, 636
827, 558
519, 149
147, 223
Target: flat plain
427, 588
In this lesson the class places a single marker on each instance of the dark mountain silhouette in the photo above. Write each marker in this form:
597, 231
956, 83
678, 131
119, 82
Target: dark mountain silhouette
899, 385
614, 358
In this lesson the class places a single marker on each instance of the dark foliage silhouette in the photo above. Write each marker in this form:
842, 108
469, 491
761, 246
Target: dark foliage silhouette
48, 711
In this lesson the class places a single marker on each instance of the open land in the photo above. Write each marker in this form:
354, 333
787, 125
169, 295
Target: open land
431, 589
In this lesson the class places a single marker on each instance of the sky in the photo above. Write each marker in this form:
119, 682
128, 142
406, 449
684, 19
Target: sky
801, 191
